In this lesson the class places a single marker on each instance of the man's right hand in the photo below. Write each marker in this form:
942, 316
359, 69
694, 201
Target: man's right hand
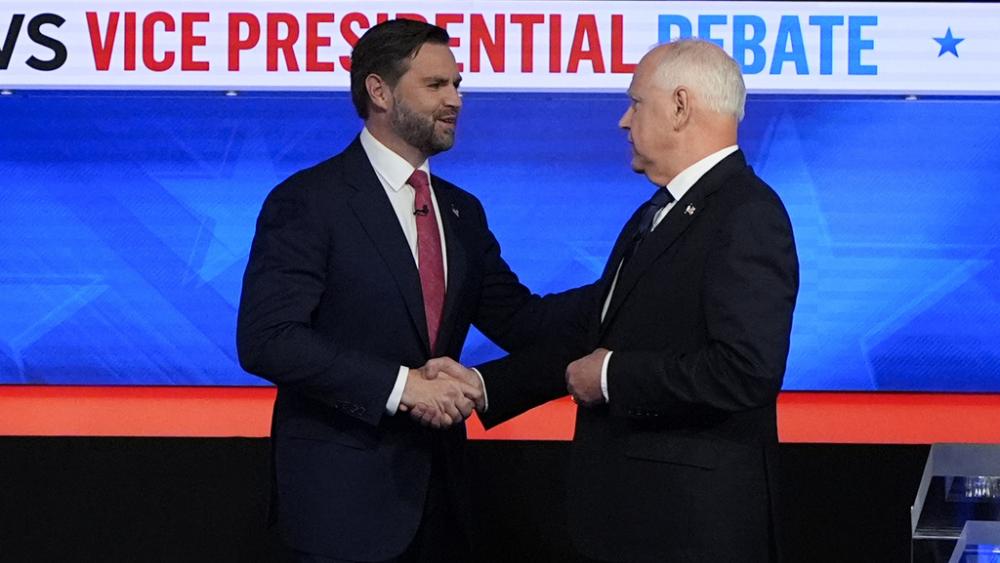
438, 402
445, 367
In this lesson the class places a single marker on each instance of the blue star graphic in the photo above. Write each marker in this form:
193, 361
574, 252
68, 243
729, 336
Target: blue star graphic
949, 43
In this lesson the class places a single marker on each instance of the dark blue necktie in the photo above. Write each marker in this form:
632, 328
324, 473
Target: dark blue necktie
656, 203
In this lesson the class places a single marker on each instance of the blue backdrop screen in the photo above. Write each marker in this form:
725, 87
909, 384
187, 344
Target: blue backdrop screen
126, 219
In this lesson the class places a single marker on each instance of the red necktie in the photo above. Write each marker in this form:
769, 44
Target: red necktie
429, 257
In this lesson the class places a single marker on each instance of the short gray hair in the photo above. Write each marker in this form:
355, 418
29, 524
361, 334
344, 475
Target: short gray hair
709, 71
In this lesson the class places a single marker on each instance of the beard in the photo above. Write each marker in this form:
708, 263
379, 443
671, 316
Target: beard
420, 131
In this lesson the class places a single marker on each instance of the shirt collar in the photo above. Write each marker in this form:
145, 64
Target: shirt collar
690, 175
393, 169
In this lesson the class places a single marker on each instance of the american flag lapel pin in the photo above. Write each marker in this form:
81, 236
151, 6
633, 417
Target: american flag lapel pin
455, 210
689, 210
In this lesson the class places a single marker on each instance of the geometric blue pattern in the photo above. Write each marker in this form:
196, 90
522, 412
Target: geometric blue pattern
127, 219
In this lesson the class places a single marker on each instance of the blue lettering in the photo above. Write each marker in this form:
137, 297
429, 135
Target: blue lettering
667, 22
789, 36
826, 25
742, 43
855, 44
749, 32
705, 24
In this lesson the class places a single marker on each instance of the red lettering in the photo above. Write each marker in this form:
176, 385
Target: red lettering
284, 44
443, 21
479, 38
102, 48
586, 30
414, 17
350, 35
617, 49
314, 41
189, 40
236, 44
381, 17
148, 39
555, 43
130, 33
527, 23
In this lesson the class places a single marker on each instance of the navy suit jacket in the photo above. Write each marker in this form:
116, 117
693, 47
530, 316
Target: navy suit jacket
680, 464
331, 307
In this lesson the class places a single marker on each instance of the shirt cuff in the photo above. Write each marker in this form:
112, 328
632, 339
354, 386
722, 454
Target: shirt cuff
392, 405
482, 385
604, 376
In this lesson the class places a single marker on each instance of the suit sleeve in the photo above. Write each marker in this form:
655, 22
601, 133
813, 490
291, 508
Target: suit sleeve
749, 290
557, 329
507, 312
535, 374
282, 287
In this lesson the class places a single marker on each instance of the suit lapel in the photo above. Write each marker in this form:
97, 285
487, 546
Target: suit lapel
374, 211
451, 220
618, 250
617, 253
683, 214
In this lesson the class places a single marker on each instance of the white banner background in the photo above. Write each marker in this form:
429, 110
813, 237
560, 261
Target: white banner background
572, 45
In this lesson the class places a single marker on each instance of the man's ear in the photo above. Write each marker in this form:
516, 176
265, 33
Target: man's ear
681, 99
379, 93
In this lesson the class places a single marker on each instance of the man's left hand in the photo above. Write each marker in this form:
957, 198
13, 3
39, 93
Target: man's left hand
583, 378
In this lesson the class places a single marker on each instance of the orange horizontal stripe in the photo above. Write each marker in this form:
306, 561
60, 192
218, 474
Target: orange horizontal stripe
45, 410
884, 418
889, 418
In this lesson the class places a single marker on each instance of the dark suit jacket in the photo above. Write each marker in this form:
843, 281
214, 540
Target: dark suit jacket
680, 464
331, 307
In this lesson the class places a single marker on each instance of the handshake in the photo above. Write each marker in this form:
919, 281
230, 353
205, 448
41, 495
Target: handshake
442, 393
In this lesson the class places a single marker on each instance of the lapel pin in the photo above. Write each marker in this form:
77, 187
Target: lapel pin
455, 211
689, 210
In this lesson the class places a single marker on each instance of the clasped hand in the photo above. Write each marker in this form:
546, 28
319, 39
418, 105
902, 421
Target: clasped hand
583, 378
442, 393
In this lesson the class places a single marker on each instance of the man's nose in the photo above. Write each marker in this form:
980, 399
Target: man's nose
626, 120
454, 98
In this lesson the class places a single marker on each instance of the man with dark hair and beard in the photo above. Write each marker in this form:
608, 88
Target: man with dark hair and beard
362, 268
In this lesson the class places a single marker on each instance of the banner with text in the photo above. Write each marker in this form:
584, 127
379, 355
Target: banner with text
798, 47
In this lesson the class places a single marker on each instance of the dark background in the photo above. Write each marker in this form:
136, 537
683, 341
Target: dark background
68, 499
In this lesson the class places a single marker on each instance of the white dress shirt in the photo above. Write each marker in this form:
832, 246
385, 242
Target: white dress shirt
393, 172
677, 188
